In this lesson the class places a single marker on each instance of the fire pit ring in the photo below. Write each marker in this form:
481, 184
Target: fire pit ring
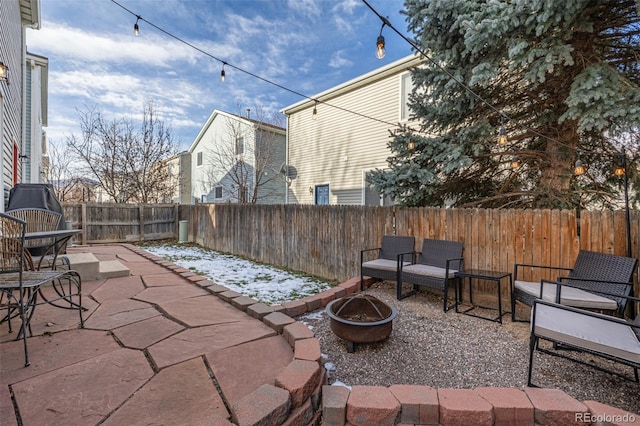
360, 318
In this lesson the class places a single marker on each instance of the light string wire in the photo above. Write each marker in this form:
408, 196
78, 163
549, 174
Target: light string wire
263, 79
502, 115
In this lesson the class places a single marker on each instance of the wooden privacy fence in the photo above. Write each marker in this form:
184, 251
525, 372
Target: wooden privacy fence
111, 223
326, 240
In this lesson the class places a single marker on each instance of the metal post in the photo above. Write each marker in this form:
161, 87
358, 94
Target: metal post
626, 202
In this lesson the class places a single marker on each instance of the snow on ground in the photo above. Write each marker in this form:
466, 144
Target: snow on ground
264, 283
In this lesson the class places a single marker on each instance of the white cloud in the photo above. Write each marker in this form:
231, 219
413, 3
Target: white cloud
339, 61
310, 8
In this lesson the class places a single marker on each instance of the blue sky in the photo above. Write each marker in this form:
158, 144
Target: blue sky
305, 45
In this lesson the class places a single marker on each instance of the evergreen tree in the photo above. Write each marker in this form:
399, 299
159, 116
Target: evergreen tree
562, 78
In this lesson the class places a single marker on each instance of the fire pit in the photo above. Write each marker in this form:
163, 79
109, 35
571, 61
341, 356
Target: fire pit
360, 318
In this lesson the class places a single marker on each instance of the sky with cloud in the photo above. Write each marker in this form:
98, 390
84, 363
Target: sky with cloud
307, 46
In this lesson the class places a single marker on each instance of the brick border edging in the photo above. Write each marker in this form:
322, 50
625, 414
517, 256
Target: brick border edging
300, 395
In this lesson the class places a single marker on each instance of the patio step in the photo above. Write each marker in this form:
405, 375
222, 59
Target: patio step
113, 269
86, 264
92, 269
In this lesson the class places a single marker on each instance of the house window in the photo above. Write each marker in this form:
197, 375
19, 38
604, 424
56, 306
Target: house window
199, 159
218, 192
406, 85
239, 145
322, 195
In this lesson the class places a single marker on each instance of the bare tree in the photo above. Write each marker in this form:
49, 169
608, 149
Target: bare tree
60, 173
246, 159
123, 158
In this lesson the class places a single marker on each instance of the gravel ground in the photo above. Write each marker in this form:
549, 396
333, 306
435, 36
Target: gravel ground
449, 350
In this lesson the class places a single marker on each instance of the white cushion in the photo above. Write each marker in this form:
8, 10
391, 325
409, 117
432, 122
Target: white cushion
382, 264
569, 296
427, 270
587, 332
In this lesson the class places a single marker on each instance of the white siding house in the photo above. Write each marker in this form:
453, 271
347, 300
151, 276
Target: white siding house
237, 159
330, 155
35, 162
15, 17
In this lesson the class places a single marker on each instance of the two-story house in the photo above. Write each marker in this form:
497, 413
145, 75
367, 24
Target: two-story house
236, 159
336, 137
15, 17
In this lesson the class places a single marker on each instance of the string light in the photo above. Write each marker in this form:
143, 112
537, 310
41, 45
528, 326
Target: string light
380, 50
578, 168
411, 145
314, 115
136, 28
620, 170
222, 74
4, 72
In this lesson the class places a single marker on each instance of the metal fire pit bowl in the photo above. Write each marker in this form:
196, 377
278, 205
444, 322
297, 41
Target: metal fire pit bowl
361, 318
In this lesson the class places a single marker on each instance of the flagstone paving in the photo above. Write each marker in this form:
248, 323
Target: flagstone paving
157, 348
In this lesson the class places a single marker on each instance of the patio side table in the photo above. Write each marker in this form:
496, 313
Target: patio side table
482, 274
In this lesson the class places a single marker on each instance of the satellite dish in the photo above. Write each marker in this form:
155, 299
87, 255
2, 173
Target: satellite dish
288, 171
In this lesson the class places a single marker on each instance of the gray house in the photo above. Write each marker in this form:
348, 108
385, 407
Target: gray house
236, 159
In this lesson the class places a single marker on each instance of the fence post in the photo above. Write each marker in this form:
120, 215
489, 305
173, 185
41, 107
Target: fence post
141, 221
83, 222
177, 220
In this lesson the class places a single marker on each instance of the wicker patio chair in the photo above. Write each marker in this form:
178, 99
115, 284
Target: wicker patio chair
598, 281
566, 327
41, 220
19, 288
435, 267
387, 263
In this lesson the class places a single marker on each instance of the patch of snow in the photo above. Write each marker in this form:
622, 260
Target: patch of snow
264, 283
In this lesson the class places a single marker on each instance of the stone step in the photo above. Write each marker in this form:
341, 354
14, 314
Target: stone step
92, 269
86, 264
113, 269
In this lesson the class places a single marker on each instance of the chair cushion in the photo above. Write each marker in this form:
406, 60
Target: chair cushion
568, 296
383, 264
593, 333
427, 270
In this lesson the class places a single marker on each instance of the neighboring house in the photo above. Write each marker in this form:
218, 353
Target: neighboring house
15, 17
81, 190
34, 160
329, 157
236, 159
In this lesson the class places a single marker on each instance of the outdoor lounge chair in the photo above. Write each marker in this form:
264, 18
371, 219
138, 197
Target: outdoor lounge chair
597, 281
435, 266
580, 330
19, 287
387, 264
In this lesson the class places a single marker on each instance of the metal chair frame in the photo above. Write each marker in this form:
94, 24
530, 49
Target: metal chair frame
15, 278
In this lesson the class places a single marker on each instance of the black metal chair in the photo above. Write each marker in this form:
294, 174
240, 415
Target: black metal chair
435, 267
598, 281
387, 263
605, 336
19, 287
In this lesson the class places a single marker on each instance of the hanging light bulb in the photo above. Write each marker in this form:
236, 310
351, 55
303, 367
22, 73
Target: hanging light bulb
4, 72
314, 115
620, 169
380, 50
411, 145
515, 162
136, 28
502, 136
578, 168
222, 74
